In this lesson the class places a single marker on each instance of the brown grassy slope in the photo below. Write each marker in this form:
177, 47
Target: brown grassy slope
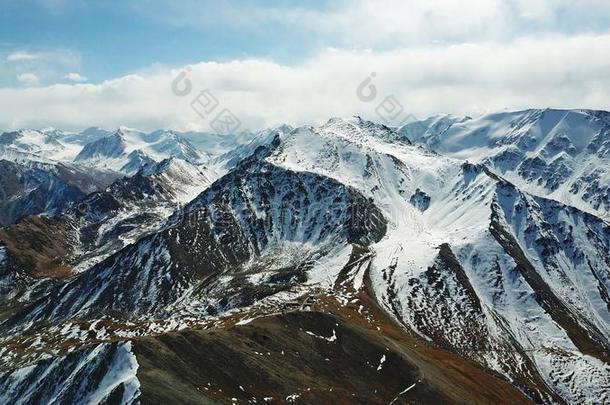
289, 354
39, 246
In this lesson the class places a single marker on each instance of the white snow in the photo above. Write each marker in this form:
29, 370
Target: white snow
245, 321
47, 384
331, 339
122, 371
381, 361
409, 388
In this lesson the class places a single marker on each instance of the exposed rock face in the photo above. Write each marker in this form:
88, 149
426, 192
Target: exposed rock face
420, 200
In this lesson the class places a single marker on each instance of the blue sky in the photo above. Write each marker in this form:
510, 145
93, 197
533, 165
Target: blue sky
75, 63
106, 39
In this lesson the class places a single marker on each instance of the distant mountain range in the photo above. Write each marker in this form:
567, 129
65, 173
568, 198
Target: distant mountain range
452, 260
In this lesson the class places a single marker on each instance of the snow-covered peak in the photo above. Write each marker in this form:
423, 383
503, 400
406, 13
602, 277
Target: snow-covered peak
232, 158
127, 150
427, 130
358, 129
112, 146
164, 143
366, 156
219, 147
88, 135
530, 130
562, 154
181, 179
170, 165
36, 145
127, 130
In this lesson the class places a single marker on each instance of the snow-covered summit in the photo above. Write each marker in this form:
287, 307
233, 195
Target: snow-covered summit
561, 154
127, 150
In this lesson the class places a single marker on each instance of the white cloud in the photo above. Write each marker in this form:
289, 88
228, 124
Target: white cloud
76, 77
21, 56
59, 57
392, 23
459, 79
47, 66
28, 79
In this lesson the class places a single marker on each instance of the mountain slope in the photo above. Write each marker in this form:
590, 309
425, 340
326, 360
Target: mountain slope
93, 227
104, 374
32, 188
219, 238
451, 261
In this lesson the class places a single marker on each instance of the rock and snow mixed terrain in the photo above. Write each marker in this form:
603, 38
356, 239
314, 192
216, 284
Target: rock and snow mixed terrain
560, 154
388, 257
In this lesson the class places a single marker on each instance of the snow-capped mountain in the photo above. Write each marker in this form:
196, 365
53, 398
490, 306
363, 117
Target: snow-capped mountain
86, 136
31, 187
109, 147
560, 154
245, 146
435, 264
92, 227
231, 230
36, 145
216, 145
347, 262
128, 150
125, 150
